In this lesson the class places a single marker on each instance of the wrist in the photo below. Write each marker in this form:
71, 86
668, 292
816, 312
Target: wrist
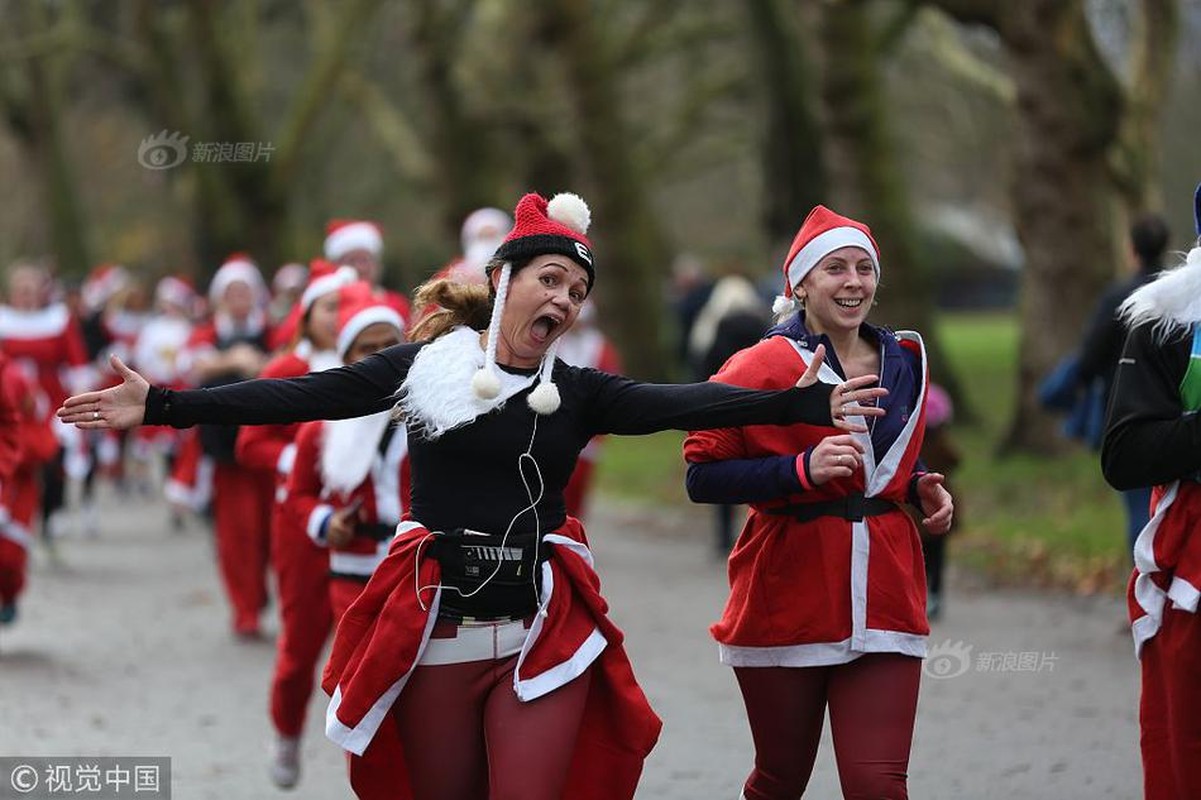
803, 470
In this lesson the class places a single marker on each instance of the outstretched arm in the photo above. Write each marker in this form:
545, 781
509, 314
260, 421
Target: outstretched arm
624, 406
362, 388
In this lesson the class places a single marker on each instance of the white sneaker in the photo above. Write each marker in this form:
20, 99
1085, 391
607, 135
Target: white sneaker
285, 762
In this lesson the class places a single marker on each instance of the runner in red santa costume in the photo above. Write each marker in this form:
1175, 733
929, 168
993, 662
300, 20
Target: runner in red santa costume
828, 591
156, 354
483, 231
229, 348
45, 342
301, 568
349, 490
360, 244
1153, 438
26, 443
584, 345
483, 635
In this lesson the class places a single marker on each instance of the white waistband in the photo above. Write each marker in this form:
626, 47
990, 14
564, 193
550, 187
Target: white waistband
488, 641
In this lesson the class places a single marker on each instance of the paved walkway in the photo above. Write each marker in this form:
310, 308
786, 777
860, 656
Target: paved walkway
124, 650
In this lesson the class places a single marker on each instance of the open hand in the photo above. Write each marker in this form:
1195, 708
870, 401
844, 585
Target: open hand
847, 398
117, 408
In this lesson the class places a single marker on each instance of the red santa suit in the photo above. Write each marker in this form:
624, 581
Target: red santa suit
381, 639
242, 496
26, 443
48, 345
360, 460
301, 567
852, 587
585, 346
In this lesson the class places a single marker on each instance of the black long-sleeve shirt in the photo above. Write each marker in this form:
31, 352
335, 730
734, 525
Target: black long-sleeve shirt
470, 477
1149, 438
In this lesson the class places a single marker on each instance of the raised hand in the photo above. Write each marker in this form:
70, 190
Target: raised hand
848, 397
117, 408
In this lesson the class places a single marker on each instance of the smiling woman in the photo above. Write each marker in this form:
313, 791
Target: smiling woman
488, 565
827, 602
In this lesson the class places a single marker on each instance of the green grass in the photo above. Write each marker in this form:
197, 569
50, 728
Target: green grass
1025, 520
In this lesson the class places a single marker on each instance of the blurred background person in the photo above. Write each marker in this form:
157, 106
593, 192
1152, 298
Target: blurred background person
585, 345
231, 347
345, 497
46, 343
732, 318
301, 568
1101, 346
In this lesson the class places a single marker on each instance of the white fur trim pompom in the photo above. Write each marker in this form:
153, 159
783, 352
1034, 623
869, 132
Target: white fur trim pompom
544, 399
485, 384
782, 305
571, 210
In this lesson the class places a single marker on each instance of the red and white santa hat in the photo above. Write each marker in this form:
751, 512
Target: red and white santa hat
358, 308
289, 277
483, 231
178, 291
238, 267
324, 277
101, 284
822, 232
344, 236
541, 227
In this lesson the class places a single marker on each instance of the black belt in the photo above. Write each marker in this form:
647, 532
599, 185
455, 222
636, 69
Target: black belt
379, 531
852, 507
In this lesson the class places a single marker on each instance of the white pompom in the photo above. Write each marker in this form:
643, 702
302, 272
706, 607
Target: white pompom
544, 399
571, 210
1193, 259
485, 384
782, 305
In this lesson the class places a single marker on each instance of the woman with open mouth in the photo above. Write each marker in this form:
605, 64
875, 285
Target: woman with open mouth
827, 606
483, 636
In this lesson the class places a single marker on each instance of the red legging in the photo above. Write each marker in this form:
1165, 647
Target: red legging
872, 702
1170, 712
466, 735
302, 581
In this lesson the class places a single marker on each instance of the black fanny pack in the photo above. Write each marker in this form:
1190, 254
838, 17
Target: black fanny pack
508, 571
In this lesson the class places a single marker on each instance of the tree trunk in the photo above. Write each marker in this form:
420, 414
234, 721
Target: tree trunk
467, 176
36, 116
794, 175
633, 257
1069, 106
866, 181
1153, 59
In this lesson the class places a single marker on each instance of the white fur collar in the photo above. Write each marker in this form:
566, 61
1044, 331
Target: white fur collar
436, 395
349, 448
1172, 301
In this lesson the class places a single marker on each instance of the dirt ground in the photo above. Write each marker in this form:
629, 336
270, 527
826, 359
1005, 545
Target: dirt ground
124, 649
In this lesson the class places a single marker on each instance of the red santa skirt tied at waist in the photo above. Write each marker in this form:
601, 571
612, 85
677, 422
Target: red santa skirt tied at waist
381, 639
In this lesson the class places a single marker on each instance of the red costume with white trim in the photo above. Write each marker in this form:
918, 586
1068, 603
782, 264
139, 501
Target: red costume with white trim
330, 456
26, 442
301, 568
380, 640
836, 588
